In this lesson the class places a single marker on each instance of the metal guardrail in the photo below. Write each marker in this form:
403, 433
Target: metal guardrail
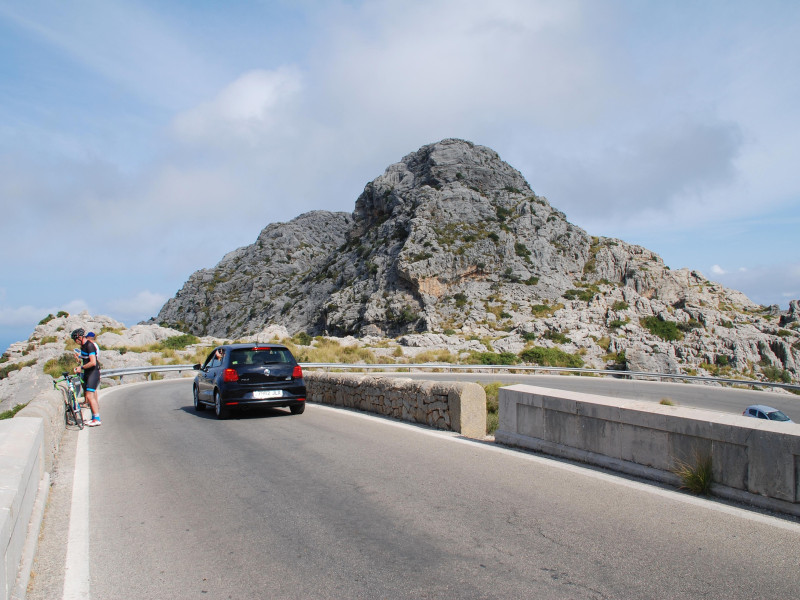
442, 367
144, 370
496, 368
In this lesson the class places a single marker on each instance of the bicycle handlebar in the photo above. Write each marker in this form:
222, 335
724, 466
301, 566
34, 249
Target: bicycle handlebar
65, 377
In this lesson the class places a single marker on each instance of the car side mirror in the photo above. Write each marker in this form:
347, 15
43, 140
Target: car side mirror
196, 367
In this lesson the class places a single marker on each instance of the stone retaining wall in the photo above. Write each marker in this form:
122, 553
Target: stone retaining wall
453, 406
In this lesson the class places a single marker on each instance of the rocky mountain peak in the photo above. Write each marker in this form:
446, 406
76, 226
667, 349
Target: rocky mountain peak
450, 165
453, 240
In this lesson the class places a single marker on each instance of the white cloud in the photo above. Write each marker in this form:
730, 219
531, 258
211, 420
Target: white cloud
143, 304
765, 284
656, 174
246, 111
548, 82
21, 315
492, 61
122, 41
717, 270
629, 120
27, 314
21, 320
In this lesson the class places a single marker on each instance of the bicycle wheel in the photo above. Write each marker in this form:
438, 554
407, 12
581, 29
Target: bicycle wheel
73, 414
78, 415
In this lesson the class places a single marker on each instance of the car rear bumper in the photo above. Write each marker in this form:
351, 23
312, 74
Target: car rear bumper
289, 397
277, 402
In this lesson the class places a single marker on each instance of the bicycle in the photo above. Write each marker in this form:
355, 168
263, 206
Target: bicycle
73, 415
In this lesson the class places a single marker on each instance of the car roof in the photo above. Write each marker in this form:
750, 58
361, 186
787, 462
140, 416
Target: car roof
252, 345
762, 408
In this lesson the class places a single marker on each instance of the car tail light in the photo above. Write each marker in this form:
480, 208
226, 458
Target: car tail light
297, 373
229, 375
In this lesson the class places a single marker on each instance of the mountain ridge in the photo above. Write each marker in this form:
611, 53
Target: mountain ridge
453, 240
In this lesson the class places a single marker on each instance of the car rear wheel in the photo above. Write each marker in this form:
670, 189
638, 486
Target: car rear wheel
198, 406
297, 409
220, 410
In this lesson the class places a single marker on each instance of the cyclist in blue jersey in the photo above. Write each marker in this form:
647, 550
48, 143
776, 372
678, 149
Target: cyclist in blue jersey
91, 373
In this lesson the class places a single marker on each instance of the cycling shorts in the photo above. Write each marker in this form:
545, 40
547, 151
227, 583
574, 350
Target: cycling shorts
91, 380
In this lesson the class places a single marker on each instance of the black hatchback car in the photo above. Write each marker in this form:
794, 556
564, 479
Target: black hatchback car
240, 375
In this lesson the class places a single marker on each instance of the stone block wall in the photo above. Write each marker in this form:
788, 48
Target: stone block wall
453, 406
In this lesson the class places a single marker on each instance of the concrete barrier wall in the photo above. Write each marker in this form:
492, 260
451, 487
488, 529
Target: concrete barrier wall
28, 446
49, 407
753, 460
453, 406
21, 470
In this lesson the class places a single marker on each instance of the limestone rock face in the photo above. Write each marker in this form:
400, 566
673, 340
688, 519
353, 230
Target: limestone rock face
452, 240
138, 335
284, 277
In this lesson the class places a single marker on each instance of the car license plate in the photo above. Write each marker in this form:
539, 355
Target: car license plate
262, 394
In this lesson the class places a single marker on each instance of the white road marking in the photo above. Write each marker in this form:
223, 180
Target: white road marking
76, 569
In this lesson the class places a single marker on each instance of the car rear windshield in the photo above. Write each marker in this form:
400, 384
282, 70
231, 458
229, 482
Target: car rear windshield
260, 356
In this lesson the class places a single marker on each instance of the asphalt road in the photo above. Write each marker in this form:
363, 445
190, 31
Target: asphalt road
720, 398
337, 504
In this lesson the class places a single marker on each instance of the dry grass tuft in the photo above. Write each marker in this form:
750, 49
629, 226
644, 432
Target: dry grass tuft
696, 476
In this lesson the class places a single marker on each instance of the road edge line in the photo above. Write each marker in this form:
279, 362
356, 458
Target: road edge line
76, 567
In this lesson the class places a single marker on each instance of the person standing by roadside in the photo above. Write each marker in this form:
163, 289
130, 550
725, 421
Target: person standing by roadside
91, 373
90, 336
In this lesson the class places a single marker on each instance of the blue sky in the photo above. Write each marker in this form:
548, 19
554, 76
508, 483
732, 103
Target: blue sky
142, 140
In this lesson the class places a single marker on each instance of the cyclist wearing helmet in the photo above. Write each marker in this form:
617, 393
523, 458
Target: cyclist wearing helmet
91, 373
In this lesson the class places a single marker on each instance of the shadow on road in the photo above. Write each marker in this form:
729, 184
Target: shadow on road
244, 413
